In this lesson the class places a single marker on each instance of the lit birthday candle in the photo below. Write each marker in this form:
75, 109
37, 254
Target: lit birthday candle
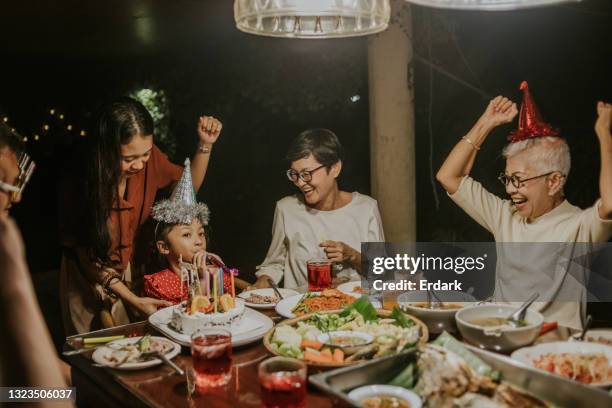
215, 300
221, 282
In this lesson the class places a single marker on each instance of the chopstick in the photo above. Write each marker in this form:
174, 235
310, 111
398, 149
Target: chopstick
99, 341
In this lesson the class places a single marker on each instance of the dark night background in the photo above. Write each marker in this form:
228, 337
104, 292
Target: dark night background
72, 55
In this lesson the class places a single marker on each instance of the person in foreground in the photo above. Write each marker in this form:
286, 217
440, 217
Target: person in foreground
537, 166
27, 355
320, 221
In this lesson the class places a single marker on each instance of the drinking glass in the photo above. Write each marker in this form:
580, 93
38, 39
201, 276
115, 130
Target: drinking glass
319, 274
211, 350
283, 383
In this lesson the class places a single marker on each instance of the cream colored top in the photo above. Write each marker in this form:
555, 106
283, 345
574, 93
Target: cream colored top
543, 268
298, 230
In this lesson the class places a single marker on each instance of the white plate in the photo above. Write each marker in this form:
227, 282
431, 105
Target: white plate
348, 288
358, 394
252, 327
265, 292
526, 355
595, 334
101, 354
285, 306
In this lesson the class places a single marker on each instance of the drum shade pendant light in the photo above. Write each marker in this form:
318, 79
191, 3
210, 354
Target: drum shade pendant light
312, 18
487, 5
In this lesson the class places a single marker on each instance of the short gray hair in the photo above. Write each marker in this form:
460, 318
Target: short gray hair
547, 154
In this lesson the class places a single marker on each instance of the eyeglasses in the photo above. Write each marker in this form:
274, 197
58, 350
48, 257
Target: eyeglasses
26, 168
305, 175
517, 181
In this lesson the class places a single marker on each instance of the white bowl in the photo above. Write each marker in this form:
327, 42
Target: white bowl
503, 340
361, 393
437, 320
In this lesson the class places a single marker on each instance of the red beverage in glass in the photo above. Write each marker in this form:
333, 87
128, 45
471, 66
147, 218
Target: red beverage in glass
286, 391
211, 350
319, 275
283, 383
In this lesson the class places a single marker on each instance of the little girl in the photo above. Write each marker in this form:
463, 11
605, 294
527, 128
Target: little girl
181, 238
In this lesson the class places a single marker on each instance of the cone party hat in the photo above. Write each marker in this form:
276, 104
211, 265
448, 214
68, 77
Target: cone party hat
182, 206
531, 124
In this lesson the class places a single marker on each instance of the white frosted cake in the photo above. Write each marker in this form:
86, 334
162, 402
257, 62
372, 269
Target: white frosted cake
190, 323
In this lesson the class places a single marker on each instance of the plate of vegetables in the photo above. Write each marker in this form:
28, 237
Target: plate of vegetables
324, 339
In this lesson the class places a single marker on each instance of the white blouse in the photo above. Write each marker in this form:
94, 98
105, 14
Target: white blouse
298, 230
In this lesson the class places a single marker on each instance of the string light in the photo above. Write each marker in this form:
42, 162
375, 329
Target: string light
47, 127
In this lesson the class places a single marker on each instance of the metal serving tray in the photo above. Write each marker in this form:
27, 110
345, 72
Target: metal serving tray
550, 388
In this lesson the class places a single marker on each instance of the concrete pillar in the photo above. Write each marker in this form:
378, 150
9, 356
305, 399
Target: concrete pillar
392, 138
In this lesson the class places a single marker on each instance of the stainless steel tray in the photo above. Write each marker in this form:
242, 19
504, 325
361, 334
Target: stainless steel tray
550, 388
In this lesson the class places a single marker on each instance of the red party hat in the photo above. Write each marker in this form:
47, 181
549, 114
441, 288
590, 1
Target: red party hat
531, 125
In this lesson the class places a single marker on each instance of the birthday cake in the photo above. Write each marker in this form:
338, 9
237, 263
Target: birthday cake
200, 314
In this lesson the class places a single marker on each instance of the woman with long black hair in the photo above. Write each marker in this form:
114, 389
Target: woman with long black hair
102, 215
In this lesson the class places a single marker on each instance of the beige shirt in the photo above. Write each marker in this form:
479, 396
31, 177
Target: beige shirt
298, 230
545, 267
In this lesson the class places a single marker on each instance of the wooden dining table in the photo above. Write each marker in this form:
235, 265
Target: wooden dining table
160, 386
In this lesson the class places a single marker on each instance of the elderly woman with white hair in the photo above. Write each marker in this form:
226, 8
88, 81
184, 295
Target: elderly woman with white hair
537, 166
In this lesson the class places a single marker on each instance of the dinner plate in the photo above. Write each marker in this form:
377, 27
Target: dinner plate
285, 306
102, 354
348, 288
593, 335
526, 355
265, 292
252, 327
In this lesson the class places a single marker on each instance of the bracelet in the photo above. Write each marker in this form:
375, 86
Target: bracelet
470, 142
204, 149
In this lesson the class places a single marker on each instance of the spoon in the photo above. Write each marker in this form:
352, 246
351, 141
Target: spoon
517, 317
275, 287
433, 300
587, 326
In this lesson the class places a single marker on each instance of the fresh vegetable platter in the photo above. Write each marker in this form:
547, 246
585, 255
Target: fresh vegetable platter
391, 331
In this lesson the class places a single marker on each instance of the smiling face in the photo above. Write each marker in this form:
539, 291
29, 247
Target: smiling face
135, 154
536, 197
323, 182
183, 240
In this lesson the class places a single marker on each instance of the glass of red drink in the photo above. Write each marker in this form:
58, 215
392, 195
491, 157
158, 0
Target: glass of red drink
283, 383
319, 274
211, 350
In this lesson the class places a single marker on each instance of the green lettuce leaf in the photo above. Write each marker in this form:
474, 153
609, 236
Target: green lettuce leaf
363, 307
401, 319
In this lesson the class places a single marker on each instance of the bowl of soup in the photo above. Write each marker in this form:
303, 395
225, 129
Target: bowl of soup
486, 326
385, 396
437, 316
